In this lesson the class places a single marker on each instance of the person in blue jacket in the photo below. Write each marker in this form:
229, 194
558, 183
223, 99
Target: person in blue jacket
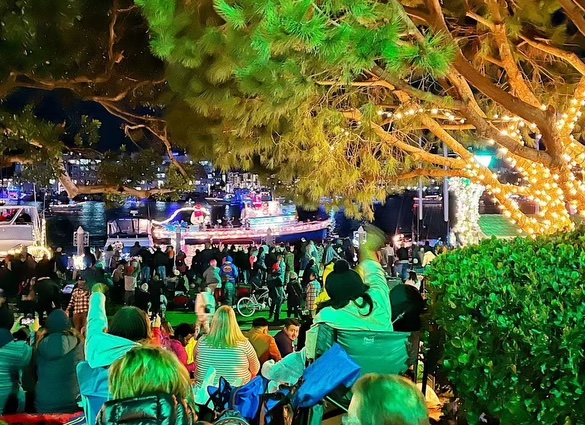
229, 269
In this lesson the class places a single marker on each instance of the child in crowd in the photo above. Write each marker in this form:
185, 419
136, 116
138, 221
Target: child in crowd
204, 308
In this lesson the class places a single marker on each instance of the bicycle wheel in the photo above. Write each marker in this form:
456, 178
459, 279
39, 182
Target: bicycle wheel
246, 306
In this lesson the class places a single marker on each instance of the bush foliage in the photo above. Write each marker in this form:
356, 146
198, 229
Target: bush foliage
513, 316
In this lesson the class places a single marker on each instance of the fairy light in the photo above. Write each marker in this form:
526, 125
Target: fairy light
467, 197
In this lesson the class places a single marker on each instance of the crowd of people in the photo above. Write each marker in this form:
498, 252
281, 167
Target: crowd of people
156, 369
293, 274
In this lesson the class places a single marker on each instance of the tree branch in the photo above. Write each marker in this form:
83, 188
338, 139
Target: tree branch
440, 101
416, 152
147, 123
569, 57
120, 190
74, 190
574, 13
449, 140
469, 73
374, 83
9, 160
515, 77
480, 19
431, 172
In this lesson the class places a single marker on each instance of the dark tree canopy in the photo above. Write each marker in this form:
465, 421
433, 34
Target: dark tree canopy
97, 52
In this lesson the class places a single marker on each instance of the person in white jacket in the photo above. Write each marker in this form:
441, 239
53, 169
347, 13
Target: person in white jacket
204, 308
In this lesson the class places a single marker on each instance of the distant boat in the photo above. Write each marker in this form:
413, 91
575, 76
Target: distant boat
126, 231
20, 226
72, 207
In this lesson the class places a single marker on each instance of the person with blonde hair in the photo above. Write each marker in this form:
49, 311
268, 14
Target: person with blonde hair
227, 350
149, 384
386, 400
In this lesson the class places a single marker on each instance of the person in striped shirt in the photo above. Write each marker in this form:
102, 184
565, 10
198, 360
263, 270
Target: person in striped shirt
227, 350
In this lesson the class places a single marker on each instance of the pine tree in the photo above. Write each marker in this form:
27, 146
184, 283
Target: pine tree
349, 100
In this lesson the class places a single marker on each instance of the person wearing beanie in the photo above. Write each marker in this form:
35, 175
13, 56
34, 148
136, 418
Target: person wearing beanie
59, 349
359, 299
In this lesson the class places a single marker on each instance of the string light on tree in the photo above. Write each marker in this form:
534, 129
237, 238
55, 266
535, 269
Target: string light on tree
467, 196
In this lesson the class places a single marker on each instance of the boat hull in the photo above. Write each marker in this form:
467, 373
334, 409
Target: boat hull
311, 231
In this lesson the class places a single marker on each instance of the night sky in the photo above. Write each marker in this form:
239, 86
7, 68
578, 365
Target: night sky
61, 106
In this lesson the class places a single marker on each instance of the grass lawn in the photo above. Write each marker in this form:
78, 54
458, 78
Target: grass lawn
176, 317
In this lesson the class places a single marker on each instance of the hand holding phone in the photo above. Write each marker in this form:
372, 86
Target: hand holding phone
156, 322
26, 321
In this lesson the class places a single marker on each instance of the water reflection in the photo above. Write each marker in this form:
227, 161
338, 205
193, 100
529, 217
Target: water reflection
94, 216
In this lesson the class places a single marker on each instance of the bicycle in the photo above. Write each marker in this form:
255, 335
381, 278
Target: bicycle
247, 306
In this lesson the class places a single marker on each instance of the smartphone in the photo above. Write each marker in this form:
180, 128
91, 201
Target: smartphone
26, 321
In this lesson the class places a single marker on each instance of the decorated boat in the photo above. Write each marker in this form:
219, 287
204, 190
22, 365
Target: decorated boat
258, 221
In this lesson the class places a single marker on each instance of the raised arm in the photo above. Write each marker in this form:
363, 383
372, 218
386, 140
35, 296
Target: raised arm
97, 321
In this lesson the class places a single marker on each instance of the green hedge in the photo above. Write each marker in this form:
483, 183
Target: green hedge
513, 314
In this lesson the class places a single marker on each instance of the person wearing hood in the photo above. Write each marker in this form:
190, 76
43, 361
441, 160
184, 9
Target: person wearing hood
229, 269
14, 357
59, 349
